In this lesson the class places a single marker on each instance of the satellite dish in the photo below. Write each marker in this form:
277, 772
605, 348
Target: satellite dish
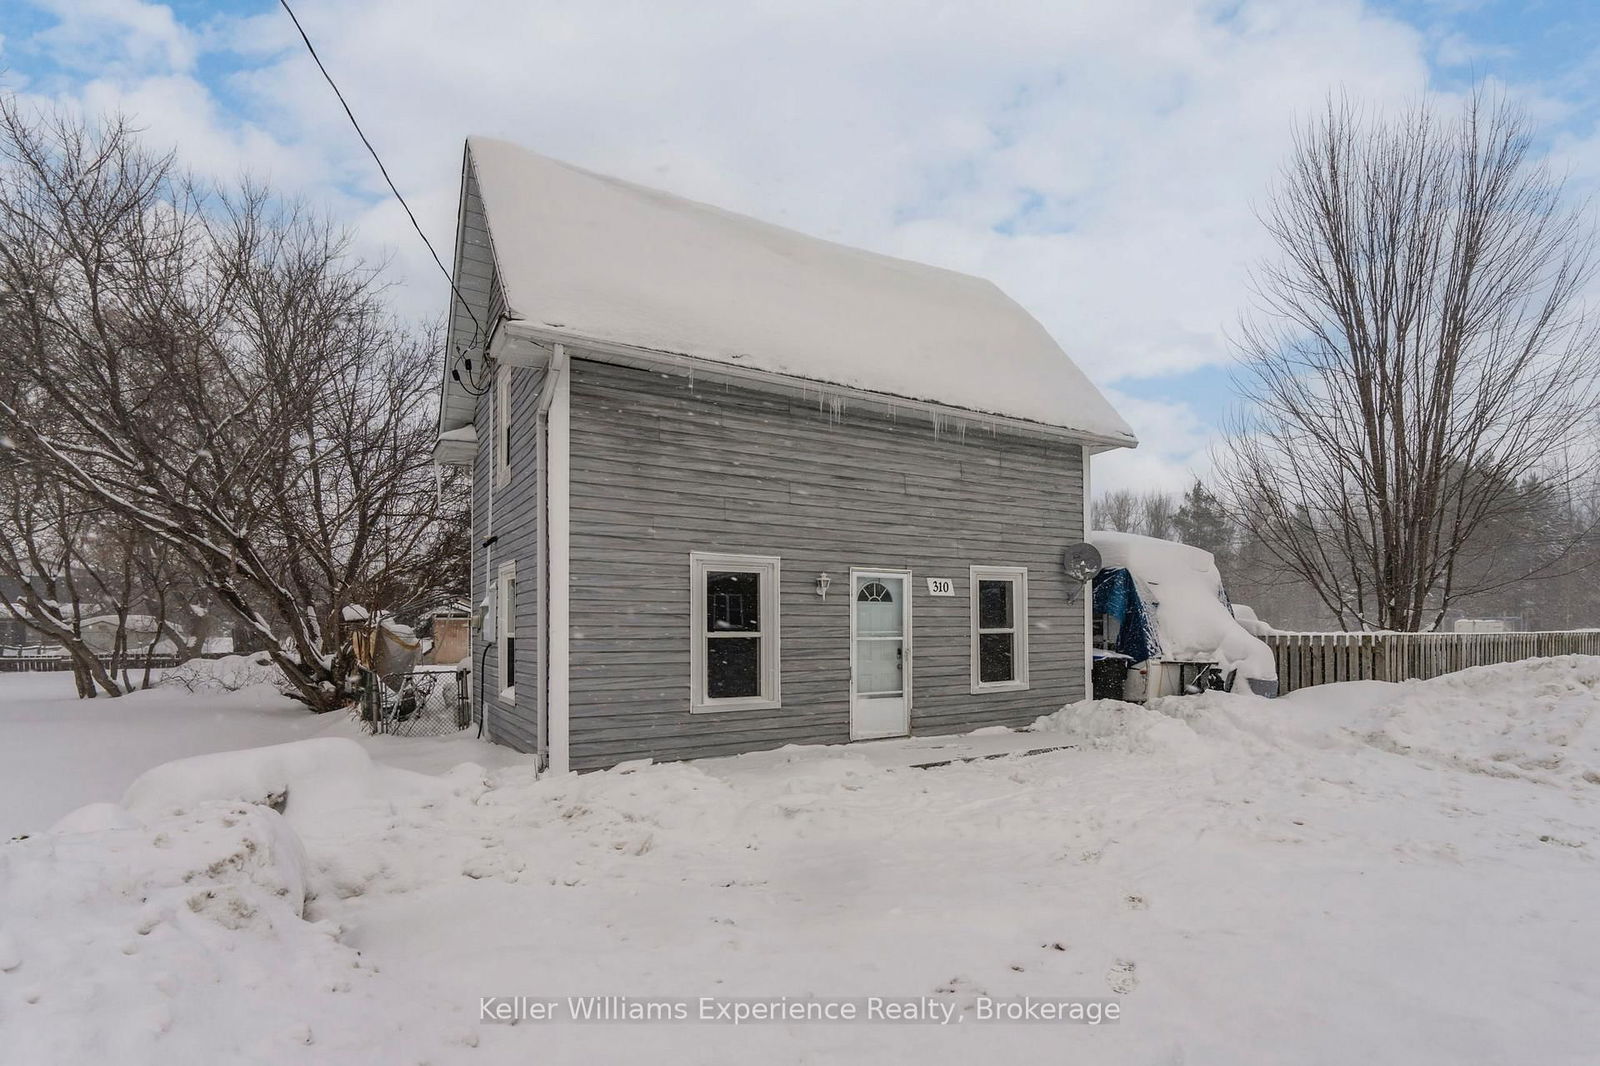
1080, 562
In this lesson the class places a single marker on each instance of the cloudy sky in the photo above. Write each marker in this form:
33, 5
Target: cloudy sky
1097, 158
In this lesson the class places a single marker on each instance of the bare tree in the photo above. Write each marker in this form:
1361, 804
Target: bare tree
1156, 513
1420, 352
1117, 510
1147, 513
44, 528
219, 374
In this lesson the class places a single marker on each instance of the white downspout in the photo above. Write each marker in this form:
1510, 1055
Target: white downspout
555, 412
489, 600
1088, 591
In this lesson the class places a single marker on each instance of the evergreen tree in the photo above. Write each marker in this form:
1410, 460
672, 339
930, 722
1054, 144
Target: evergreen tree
1202, 522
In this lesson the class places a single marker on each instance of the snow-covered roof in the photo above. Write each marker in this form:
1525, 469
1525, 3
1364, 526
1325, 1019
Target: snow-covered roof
590, 257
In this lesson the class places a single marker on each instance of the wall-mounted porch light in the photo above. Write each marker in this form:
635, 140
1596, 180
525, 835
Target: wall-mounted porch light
823, 581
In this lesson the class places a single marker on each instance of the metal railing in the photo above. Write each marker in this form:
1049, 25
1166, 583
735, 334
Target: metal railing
1306, 659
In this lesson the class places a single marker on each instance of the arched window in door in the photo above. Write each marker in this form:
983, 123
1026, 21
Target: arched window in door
875, 592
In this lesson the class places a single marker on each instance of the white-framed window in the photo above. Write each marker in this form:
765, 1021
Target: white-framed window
999, 628
734, 632
502, 425
505, 626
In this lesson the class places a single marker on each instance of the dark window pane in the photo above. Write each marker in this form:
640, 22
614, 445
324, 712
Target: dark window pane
511, 632
875, 592
733, 667
994, 657
733, 602
994, 605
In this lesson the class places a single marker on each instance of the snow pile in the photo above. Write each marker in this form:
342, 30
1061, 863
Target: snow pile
1538, 720
317, 784
1182, 588
321, 773
173, 929
1245, 615
1130, 728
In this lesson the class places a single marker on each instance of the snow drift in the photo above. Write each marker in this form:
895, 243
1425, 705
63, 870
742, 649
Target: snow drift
1321, 877
1534, 720
318, 771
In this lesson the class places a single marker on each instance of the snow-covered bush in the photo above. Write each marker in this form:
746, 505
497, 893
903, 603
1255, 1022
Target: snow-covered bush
230, 673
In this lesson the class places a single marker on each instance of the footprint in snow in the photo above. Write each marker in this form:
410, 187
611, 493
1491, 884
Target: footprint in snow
1121, 977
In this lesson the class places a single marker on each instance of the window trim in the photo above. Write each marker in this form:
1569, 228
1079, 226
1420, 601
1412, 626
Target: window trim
770, 569
1018, 576
501, 419
505, 628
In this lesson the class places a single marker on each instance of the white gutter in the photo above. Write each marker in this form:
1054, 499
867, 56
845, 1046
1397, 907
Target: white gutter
490, 601
520, 342
1088, 591
555, 523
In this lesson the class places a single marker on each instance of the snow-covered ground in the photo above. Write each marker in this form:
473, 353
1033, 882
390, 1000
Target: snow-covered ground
58, 752
1364, 872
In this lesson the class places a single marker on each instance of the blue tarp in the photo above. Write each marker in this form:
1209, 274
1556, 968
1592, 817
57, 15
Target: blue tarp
1116, 594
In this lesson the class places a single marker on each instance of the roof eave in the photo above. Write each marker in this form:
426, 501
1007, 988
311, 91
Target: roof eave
522, 343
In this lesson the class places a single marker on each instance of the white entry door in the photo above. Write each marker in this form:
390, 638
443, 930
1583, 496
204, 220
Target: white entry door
880, 654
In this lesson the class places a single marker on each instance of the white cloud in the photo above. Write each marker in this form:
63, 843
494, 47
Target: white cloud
1173, 447
126, 36
1140, 131
1099, 161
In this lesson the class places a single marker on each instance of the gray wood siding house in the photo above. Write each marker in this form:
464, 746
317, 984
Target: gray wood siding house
735, 487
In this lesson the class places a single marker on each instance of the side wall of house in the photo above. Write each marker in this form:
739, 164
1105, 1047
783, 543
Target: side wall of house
663, 466
511, 514
511, 511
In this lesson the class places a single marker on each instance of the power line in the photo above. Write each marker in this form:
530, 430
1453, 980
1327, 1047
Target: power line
477, 327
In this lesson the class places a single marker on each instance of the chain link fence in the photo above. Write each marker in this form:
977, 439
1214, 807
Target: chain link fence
425, 702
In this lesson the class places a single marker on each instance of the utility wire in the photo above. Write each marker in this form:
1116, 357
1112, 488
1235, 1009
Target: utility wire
477, 327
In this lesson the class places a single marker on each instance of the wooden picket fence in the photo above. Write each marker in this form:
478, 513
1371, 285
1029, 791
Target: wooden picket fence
1306, 659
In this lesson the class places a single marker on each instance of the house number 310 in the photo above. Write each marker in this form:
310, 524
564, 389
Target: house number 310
941, 586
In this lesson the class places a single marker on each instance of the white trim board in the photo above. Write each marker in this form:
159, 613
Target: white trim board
558, 578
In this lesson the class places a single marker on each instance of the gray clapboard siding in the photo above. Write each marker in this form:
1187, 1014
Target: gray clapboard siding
515, 506
474, 274
516, 523
663, 466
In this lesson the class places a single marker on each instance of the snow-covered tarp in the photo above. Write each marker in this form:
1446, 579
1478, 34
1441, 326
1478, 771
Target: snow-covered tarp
1116, 595
589, 257
1182, 595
